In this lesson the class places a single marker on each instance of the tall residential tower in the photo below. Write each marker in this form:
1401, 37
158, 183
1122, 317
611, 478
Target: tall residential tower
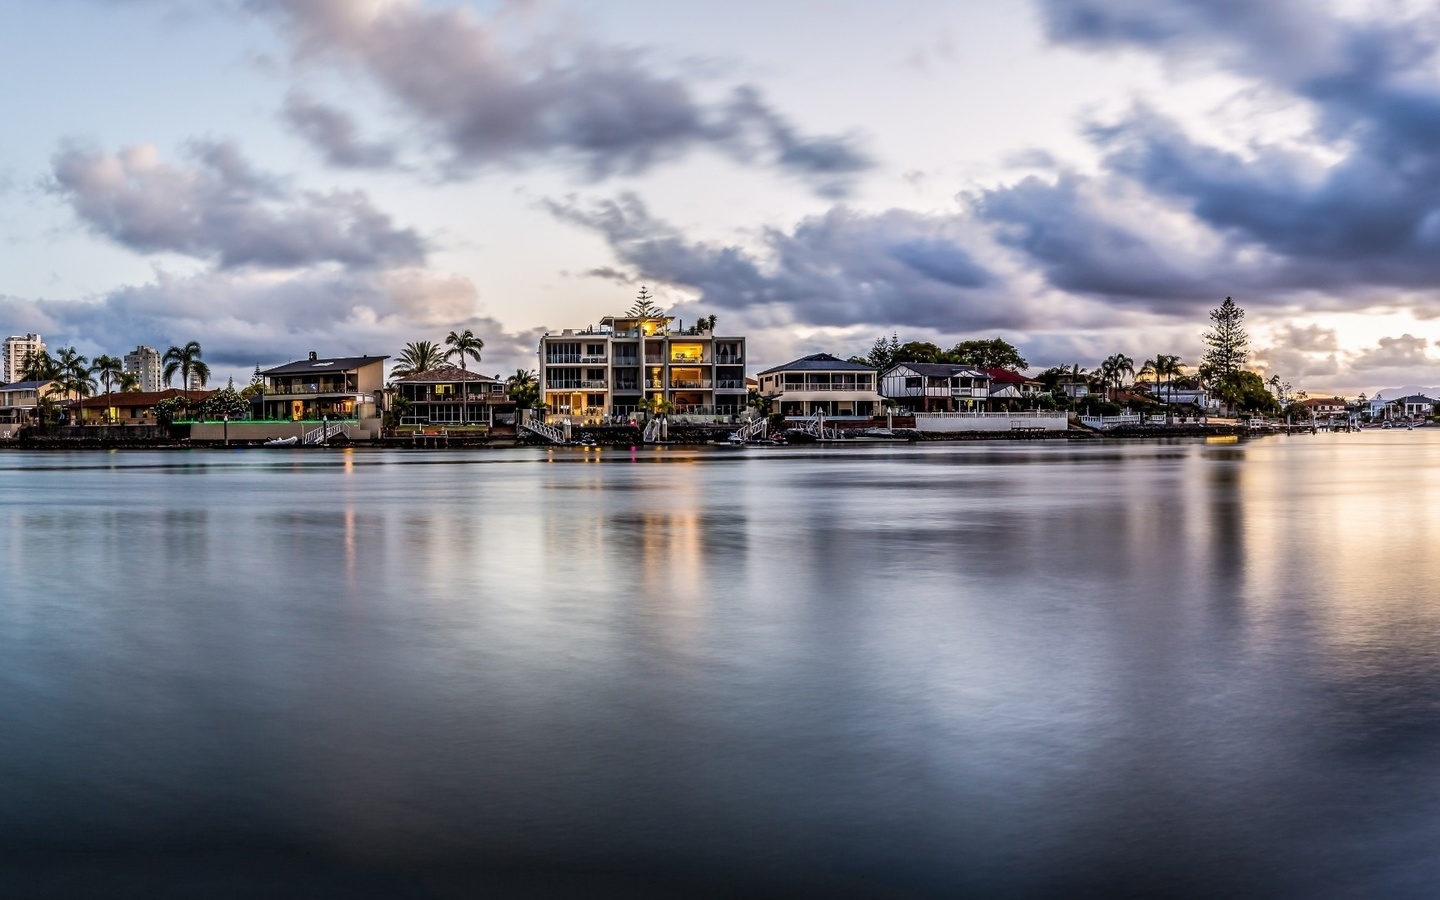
144, 363
12, 358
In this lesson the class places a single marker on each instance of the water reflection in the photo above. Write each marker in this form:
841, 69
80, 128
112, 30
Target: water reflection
1020, 670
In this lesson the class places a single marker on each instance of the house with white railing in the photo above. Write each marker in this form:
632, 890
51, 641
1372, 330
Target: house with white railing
821, 384
450, 396
345, 387
940, 387
609, 372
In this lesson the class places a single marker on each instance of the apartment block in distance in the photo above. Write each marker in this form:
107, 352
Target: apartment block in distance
12, 357
144, 363
603, 373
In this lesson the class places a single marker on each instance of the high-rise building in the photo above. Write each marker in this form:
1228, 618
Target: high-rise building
12, 358
144, 363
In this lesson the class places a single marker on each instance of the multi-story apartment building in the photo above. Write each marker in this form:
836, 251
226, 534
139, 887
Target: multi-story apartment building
606, 372
144, 363
12, 356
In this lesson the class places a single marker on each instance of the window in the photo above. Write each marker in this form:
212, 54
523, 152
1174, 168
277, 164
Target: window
912, 383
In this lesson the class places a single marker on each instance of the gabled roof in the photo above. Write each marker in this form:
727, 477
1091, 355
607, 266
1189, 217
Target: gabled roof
26, 385
442, 375
332, 364
1412, 399
942, 370
820, 362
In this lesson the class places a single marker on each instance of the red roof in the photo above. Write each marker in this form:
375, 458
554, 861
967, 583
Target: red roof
1006, 376
137, 398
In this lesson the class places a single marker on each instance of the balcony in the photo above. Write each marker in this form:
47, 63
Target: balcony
323, 387
691, 384
627, 360
598, 360
629, 386
730, 384
727, 359
864, 387
563, 359
594, 385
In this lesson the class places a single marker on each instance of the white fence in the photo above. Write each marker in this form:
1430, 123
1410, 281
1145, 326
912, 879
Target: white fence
1034, 420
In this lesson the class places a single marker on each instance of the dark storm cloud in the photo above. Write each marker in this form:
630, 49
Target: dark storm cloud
601, 108
1290, 221
220, 209
333, 132
843, 268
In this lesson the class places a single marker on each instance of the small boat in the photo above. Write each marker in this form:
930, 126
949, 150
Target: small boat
880, 432
282, 442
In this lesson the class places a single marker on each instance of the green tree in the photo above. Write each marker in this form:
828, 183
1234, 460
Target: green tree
1246, 392
224, 402
462, 345
187, 362
523, 388
38, 365
171, 408
917, 351
108, 369
992, 354
1163, 369
128, 383
1228, 342
644, 306
1114, 369
418, 356
75, 378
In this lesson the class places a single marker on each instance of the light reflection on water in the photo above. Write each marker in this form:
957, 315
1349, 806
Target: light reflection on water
1009, 669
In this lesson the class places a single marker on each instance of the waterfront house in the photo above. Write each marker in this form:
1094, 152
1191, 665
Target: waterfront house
451, 396
1411, 406
936, 387
347, 387
606, 373
1324, 407
131, 408
18, 402
1185, 393
1007, 386
823, 384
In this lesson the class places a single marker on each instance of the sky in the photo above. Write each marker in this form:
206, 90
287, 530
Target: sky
1079, 177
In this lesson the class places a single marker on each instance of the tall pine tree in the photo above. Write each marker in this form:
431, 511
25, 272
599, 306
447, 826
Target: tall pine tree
644, 306
1228, 342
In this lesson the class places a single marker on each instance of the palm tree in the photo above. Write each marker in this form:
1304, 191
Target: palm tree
1115, 368
108, 369
39, 366
418, 356
1163, 366
128, 383
186, 360
523, 388
74, 377
462, 345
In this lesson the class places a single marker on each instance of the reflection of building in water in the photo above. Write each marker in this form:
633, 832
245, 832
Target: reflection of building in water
612, 370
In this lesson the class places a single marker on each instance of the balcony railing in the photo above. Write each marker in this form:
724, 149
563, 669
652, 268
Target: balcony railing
562, 359
627, 386
730, 384
863, 386
627, 360
702, 359
593, 359
727, 359
318, 388
691, 383
595, 385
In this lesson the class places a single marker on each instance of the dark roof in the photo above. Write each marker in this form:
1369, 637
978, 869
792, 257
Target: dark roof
1412, 399
138, 398
333, 364
25, 385
942, 370
442, 374
820, 362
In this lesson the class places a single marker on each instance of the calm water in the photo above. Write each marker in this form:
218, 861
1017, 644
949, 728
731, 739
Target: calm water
982, 670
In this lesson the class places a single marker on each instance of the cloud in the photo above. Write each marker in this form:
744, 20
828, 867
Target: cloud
247, 317
219, 208
844, 268
333, 132
1357, 204
1404, 352
491, 104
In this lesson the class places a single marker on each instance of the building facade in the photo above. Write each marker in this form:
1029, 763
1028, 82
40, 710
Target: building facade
130, 407
13, 353
936, 387
821, 384
18, 401
450, 396
609, 372
348, 387
144, 363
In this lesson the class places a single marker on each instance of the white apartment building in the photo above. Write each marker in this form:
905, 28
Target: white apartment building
603, 373
144, 363
12, 357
